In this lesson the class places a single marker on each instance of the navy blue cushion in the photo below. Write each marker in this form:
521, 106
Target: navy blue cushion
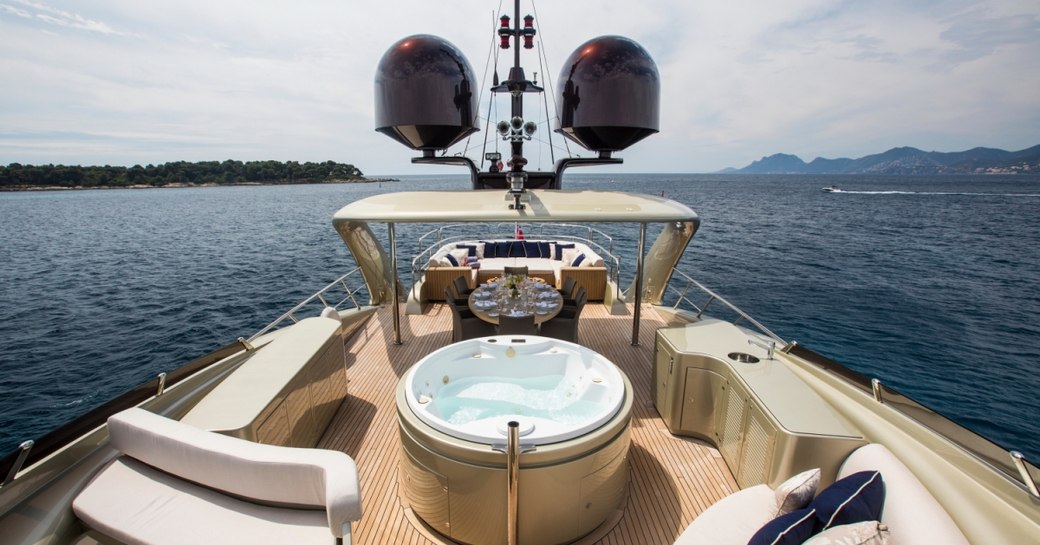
532, 249
558, 256
472, 249
543, 250
502, 249
577, 260
856, 498
516, 249
790, 529
451, 259
489, 249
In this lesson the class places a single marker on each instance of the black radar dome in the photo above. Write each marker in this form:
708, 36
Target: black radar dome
424, 93
609, 94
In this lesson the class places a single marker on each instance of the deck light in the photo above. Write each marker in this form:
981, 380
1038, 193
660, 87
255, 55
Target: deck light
528, 32
504, 32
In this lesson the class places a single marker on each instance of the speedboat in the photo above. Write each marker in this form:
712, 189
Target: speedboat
380, 410
831, 189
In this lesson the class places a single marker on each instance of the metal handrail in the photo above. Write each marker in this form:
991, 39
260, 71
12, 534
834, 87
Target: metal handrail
1019, 469
712, 297
425, 249
320, 296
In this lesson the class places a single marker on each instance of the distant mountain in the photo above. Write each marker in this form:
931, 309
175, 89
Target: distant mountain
904, 160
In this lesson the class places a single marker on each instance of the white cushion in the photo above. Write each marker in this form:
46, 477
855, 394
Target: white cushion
868, 532
796, 492
569, 254
733, 519
291, 476
533, 264
139, 505
910, 512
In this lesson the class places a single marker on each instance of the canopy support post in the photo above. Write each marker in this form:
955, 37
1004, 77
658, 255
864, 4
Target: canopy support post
639, 285
396, 285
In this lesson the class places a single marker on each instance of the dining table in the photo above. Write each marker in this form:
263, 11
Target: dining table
515, 296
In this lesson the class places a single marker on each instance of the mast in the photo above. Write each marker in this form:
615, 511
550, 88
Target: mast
516, 130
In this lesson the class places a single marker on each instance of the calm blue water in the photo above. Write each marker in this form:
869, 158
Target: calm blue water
929, 283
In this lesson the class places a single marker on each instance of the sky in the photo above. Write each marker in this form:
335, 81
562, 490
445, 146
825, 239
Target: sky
126, 82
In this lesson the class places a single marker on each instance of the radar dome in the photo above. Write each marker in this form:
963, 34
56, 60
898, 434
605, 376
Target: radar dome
424, 93
609, 94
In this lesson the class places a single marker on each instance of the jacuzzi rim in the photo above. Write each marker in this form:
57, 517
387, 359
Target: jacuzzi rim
601, 418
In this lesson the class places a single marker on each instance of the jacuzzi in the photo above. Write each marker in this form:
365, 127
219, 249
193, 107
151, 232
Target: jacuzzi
573, 407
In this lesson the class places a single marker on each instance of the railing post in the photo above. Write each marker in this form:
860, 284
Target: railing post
160, 388
875, 386
512, 482
1023, 471
23, 453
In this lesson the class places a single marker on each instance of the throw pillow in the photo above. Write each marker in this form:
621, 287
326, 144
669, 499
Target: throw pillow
577, 260
543, 250
451, 259
796, 492
489, 248
868, 532
790, 529
858, 497
559, 248
471, 248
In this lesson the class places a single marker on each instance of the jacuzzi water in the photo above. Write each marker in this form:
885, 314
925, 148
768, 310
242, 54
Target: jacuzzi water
554, 389
548, 397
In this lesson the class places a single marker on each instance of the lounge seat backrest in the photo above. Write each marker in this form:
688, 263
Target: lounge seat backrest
911, 512
301, 477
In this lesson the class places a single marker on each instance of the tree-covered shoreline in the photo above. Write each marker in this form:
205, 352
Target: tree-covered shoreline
179, 174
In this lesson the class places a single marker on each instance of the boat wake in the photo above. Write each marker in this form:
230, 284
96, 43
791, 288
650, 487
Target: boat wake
941, 193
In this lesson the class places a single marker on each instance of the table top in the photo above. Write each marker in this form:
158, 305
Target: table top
489, 300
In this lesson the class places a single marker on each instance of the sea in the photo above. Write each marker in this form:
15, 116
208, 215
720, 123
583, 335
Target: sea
929, 283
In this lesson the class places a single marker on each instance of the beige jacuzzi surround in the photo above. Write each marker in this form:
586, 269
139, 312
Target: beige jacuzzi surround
567, 489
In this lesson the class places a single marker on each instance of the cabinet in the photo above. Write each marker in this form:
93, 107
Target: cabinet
765, 421
286, 393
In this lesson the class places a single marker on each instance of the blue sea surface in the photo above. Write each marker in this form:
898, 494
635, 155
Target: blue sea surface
928, 283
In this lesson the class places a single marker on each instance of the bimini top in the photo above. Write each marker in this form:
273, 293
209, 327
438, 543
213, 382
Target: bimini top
493, 206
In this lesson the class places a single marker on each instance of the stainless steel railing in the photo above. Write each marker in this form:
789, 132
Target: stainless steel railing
684, 300
1009, 462
430, 242
335, 295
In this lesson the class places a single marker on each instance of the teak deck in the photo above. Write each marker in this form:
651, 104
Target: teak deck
672, 478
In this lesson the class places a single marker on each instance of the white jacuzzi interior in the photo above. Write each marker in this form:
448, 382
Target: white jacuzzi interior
556, 390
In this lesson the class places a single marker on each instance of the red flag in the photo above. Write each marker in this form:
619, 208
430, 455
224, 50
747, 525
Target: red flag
519, 232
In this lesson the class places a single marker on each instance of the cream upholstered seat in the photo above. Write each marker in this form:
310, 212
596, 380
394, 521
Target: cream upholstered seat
910, 511
179, 484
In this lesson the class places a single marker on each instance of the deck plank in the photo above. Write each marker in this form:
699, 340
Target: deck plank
672, 478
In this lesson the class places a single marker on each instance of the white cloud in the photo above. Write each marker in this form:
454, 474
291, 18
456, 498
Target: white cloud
741, 79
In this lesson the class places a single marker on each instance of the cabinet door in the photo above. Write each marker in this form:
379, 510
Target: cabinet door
756, 451
729, 430
698, 404
664, 367
275, 430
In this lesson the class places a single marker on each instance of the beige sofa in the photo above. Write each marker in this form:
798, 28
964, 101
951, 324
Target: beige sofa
590, 273
911, 513
177, 484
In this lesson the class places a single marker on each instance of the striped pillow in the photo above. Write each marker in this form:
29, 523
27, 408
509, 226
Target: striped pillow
856, 498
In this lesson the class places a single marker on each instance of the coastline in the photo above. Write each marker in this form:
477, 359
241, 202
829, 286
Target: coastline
181, 185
